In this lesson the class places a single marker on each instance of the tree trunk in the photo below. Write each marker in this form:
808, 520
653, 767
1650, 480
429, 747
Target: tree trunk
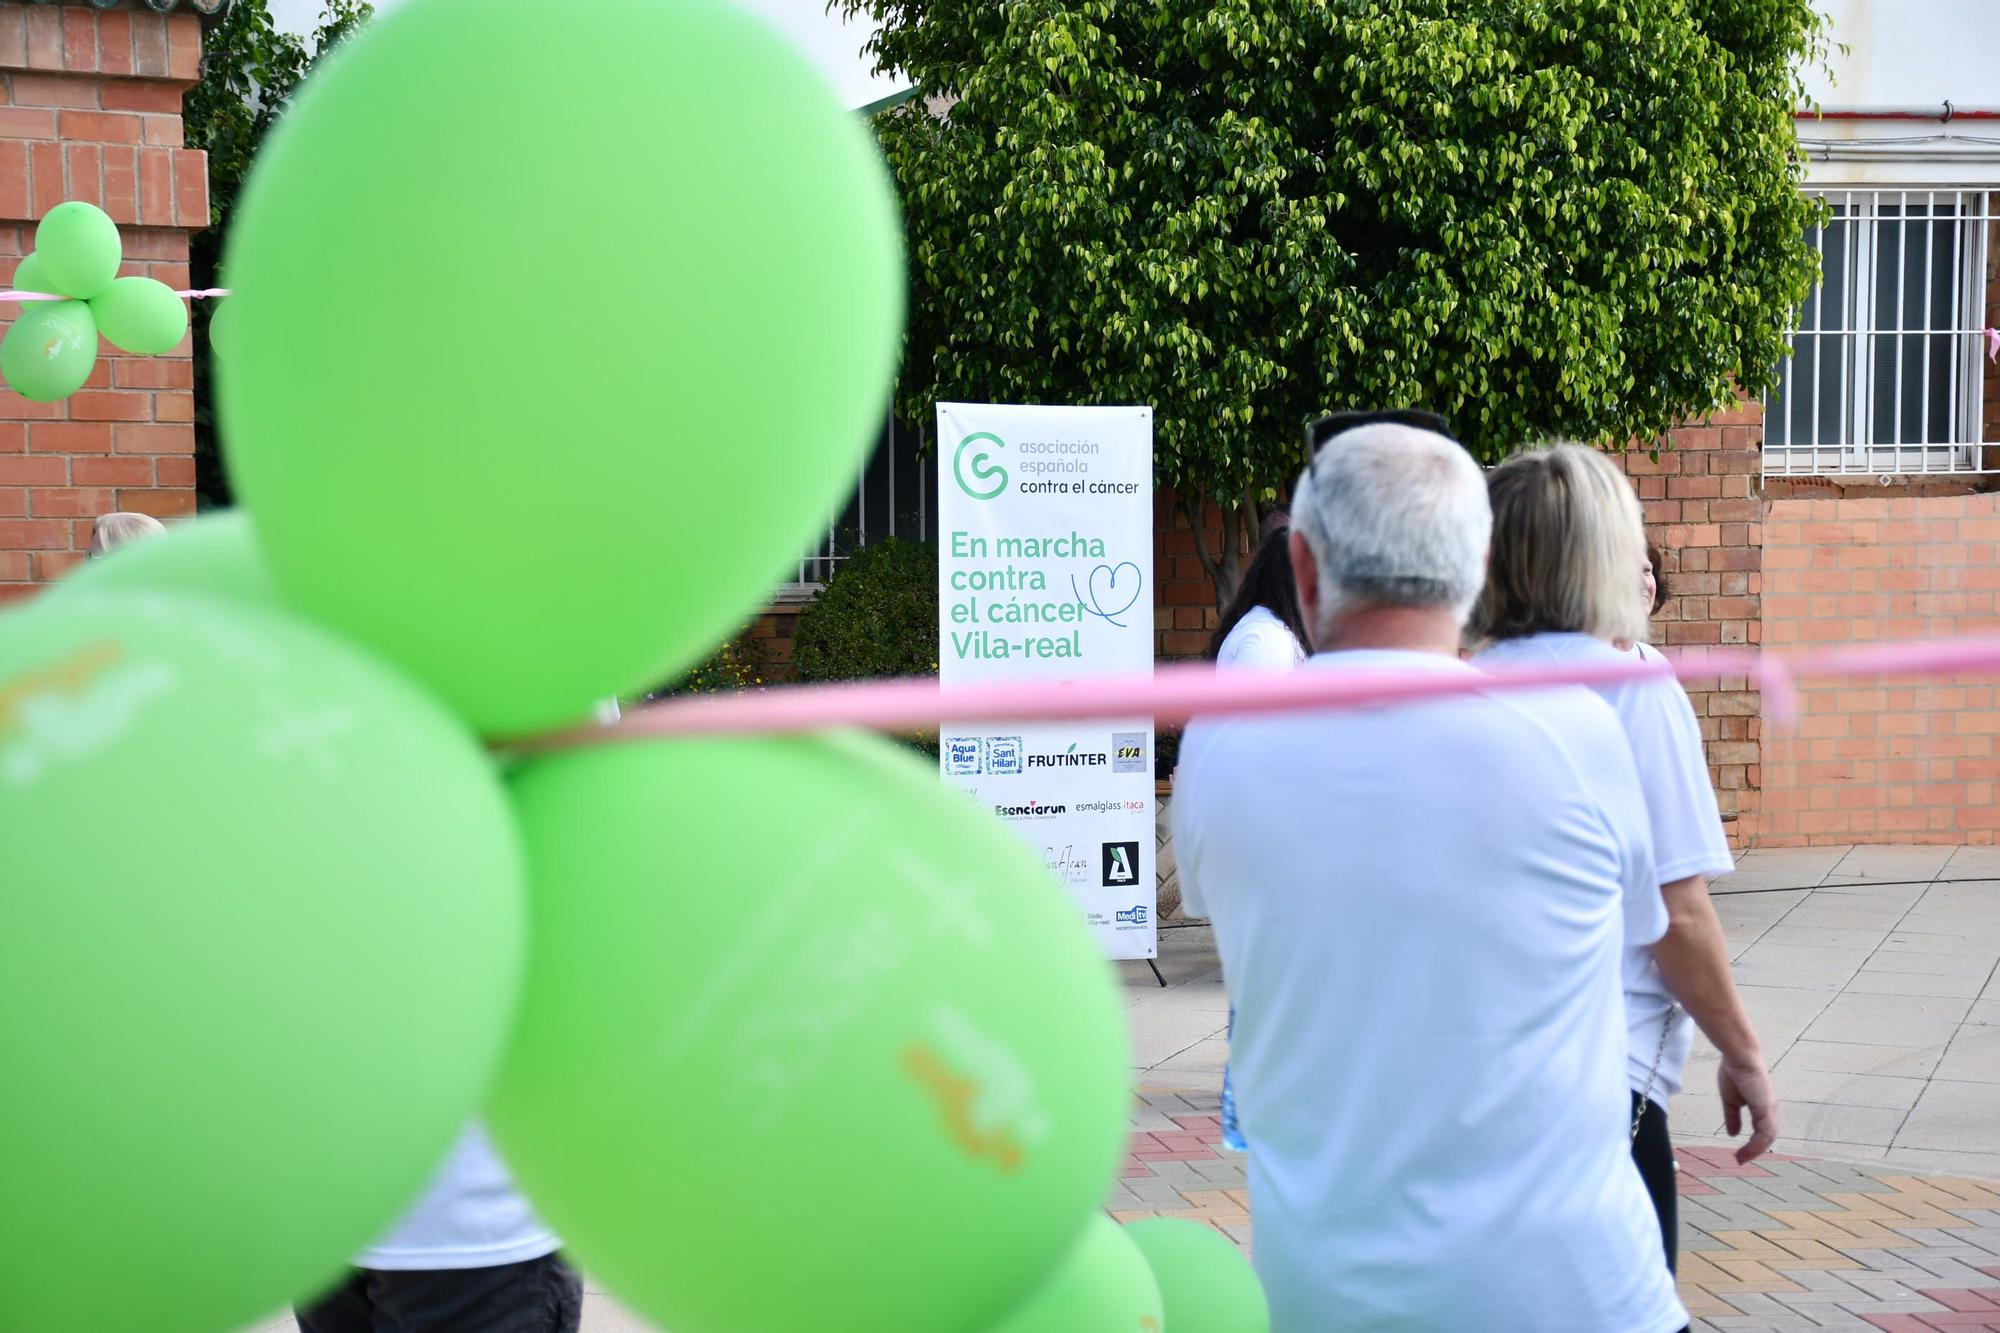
1224, 567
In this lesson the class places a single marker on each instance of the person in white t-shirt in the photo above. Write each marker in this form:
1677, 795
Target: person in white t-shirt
1420, 911
469, 1257
1653, 594
1567, 536
1262, 629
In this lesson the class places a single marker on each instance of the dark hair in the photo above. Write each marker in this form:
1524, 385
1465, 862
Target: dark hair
1660, 590
1267, 583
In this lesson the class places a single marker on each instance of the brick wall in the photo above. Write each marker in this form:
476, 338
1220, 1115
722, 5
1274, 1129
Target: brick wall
1184, 611
90, 109
773, 631
1704, 515
1875, 761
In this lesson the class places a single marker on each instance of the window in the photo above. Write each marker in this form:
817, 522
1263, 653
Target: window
891, 498
1887, 371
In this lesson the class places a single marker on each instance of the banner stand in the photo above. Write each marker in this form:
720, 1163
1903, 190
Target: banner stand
1045, 572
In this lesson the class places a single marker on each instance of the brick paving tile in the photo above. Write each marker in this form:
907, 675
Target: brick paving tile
1785, 1244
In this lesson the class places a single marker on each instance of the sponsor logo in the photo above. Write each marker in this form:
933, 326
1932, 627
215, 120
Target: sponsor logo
1128, 752
1135, 914
967, 756
1003, 755
961, 755
1031, 810
1066, 864
977, 476
1108, 807
1070, 758
1121, 864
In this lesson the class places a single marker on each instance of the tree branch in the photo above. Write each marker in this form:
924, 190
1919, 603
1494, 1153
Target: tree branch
1232, 556
1193, 511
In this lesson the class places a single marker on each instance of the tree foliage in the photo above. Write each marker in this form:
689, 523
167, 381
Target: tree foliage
1536, 217
249, 71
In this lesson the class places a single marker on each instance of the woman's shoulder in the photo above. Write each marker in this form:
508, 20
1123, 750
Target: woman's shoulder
1259, 638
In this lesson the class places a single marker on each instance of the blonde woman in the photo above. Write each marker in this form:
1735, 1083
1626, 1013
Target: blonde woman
1567, 537
116, 529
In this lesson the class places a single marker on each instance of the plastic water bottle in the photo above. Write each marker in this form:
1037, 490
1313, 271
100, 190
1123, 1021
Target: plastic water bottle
1232, 1135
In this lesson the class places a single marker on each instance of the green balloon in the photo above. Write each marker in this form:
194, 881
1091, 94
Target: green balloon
262, 938
1103, 1285
214, 556
78, 246
724, 1031
141, 316
29, 276
1206, 1285
678, 419
221, 328
50, 350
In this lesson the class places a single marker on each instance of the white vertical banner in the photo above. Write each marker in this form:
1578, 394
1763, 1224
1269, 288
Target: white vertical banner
1045, 572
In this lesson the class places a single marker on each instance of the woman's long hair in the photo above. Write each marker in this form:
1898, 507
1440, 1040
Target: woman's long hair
1568, 541
1267, 583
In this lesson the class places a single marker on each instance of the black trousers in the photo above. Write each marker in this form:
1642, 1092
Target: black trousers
1653, 1154
537, 1296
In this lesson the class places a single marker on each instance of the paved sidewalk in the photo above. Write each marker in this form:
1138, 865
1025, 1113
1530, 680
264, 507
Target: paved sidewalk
1781, 1245
1871, 973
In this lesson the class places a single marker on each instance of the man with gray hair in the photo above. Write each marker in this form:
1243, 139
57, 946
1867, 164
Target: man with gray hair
1421, 911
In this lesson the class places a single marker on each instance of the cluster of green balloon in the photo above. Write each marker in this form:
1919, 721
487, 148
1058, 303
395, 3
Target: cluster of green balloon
51, 348
571, 507
717, 1023
253, 879
819, 1054
891, 1006
1206, 1285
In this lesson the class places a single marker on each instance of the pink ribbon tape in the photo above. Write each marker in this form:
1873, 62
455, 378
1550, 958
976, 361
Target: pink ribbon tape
1177, 693
194, 294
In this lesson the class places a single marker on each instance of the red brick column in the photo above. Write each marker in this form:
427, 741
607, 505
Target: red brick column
90, 109
1898, 761
1704, 512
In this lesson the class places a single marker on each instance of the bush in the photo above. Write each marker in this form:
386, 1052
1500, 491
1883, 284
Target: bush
877, 616
736, 664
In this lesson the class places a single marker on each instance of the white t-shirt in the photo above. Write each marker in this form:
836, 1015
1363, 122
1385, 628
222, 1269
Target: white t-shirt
1420, 912
470, 1216
1259, 642
1260, 639
1688, 839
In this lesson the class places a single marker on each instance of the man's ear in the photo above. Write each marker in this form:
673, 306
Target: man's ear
1305, 573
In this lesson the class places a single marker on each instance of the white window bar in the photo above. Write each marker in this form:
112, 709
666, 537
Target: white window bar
1888, 368
861, 522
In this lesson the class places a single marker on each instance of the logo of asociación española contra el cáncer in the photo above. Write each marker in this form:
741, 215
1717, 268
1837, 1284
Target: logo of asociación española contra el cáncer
991, 477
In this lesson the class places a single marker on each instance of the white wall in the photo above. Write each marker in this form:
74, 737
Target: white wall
834, 45
1912, 53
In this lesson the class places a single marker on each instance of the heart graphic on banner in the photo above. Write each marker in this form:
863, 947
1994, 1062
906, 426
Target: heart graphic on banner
1094, 603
